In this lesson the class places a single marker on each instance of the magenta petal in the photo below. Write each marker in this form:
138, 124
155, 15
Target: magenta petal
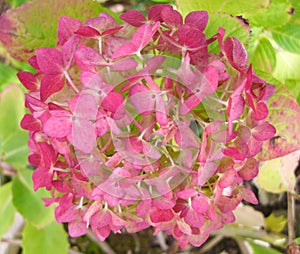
30, 123
87, 58
66, 28
158, 215
101, 233
49, 60
235, 108
261, 111
248, 195
28, 80
235, 52
51, 84
187, 193
160, 112
59, 124
42, 177
197, 19
155, 11
112, 102
125, 50
125, 65
190, 103
133, 17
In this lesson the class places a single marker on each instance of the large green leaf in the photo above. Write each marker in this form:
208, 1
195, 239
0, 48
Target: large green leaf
33, 25
7, 210
288, 37
284, 114
228, 6
262, 54
275, 15
48, 240
287, 65
29, 203
278, 175
7, 75
259, 248
234, 27
13, 139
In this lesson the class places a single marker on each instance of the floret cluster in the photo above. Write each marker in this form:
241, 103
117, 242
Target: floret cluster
140, 125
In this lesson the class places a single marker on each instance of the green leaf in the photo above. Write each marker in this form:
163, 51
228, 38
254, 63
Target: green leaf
287, 65
7, 210
297, 240
13, 139
294, 86
7, 75
262, 55
15, 3
284, 114
29, 203
288, 37
275, 223
11, 110
228, 6
51, 239
277, 175
34, 25
259, 249
234, 27
275, 15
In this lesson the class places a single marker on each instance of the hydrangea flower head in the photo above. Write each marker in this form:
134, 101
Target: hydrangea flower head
138, 125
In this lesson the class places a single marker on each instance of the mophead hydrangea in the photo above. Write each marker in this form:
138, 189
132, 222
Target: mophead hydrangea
139, 125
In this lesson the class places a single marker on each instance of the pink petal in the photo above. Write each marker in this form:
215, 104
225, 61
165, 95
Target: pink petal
112, 102
30, 123
248, 195
235, 108
77, 228
194, 219
155, 12
249, 170
101, 233
88, 58
261, 111
59, 124
200, 204
235, 52
171, 17
187, 193
264, 131
158, 215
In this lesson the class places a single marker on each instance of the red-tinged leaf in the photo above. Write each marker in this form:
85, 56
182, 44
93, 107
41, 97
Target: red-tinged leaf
30, 123
200, 204
133, 17
264, 131
236, 53
50, 60
51, 84
77, 228
28, 80
66, 28
197, 19
194, 219
284, 115
158, 215
261, 111
249, 170
59, 124
32, 25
